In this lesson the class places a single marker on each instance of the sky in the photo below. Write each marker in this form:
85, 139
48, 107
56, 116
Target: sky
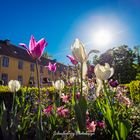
99, 24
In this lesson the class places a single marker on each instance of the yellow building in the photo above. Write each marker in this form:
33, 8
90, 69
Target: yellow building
16, 64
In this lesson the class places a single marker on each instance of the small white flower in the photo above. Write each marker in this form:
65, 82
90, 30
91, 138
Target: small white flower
59, 85
14, 85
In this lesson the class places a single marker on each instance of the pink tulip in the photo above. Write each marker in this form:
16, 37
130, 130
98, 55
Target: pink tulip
35, 49
65, 98
48, 110
91, 127
126, 101
62, 112
51, 67
72, 59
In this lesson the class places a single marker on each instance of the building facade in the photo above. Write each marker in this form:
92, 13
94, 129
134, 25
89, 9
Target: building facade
16, 64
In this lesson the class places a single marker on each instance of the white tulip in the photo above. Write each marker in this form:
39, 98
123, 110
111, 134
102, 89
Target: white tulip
73, 80
59, 85
79, 53
14, 85
103, 72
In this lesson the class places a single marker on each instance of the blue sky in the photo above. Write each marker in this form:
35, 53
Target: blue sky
61, 21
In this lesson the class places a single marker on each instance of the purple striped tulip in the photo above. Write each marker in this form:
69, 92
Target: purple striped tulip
113, 83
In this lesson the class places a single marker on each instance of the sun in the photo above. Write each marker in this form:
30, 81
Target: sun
102, 37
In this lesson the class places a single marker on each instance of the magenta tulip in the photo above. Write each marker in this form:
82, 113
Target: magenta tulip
72, 59
48, 110
35, 49
51, 67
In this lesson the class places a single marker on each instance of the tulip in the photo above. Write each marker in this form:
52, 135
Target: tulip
79, 53
72, 59
113, 83
65, 98
59, 85
48, 110
51, 67
14, 85
103, 72
62, 112
91, 127
73, 80
35, 49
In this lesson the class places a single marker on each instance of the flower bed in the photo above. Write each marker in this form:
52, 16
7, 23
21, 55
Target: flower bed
79, 108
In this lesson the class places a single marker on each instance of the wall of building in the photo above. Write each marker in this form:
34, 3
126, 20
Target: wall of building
13, 71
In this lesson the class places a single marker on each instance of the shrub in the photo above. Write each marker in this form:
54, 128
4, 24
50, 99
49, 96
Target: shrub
134, 88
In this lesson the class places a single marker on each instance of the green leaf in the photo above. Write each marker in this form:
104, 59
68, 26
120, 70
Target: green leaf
80, 112
124, 128
73, 96
4, 123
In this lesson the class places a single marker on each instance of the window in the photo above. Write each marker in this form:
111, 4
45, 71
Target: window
4, 77
32, 66
20, 79
5, 61
20, 64
41, 69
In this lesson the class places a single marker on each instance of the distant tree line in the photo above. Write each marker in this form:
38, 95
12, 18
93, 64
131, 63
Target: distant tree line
125, 61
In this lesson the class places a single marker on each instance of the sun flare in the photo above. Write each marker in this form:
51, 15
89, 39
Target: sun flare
102, 37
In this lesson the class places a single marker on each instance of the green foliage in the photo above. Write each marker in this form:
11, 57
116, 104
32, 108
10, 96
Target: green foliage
134, 88
122, 59
80, 112
5, 89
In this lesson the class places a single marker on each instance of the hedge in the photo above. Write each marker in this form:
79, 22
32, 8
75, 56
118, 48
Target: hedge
134, 89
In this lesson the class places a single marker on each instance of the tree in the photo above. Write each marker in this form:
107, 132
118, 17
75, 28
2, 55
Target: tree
122, 59
46, 55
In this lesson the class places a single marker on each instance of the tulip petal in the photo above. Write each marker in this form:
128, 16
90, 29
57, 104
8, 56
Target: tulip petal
32, 43
107, 66
112, 71
25, 46
41, 44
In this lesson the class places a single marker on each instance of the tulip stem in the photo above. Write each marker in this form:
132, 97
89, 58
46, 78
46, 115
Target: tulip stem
81, 80
13, 103
39, 108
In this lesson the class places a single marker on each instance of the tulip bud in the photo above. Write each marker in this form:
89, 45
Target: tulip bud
78, 51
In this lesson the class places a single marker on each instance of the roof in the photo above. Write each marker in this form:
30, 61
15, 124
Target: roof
8, 49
